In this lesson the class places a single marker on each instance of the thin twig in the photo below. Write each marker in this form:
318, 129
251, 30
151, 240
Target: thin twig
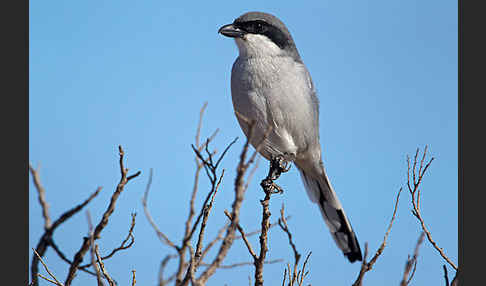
243, 236
411, 261
367, 266
42, 197
78, 258
207, 211
234, 265
134, 281
92, 250
47, 279
46, 239
213, 242
163, 264
163, 238
414, 268
230, 232
102, 267
415, 195
282, 222
195, 257
46, 268
122, 246
304, 273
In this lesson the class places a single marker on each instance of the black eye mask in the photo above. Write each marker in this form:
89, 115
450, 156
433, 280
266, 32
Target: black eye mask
260, 27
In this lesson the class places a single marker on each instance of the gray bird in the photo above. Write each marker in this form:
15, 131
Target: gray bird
271, 85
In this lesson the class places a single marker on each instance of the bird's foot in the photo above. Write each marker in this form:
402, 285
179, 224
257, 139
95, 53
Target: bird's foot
269, 186
278, 165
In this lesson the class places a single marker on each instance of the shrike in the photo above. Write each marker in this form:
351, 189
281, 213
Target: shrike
271, 85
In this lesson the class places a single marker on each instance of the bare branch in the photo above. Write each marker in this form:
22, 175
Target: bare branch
304, 273
413, 272
63, 257
102, 266
42, 197
189, 229
78, 258
163, 264
364, 268
242, 232
75, 210
282, 222
415, 195
277, 167
195, 257
284, 276
199, 124
134, 281
235, 265
455, 280
239, 196
446, 277
207, 211
218, 237
411, 262
122, 246
92, 250
46, 239
47, 269
47, 279
163, 238
367, 266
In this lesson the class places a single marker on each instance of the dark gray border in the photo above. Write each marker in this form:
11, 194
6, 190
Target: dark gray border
472, 80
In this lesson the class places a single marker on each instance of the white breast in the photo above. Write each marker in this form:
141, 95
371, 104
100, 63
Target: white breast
276, 92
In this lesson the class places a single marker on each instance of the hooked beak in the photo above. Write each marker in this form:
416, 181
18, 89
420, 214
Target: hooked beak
231, 31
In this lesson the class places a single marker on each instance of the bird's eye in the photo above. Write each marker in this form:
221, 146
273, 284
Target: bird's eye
259, 28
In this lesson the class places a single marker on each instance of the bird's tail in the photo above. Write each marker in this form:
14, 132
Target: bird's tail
321, 192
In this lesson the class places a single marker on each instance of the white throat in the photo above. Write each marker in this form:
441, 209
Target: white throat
253, 45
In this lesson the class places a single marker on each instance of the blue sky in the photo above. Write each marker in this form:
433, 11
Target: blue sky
104, 73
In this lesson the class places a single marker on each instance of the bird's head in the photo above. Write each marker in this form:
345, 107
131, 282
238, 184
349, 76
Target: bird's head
259, 34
